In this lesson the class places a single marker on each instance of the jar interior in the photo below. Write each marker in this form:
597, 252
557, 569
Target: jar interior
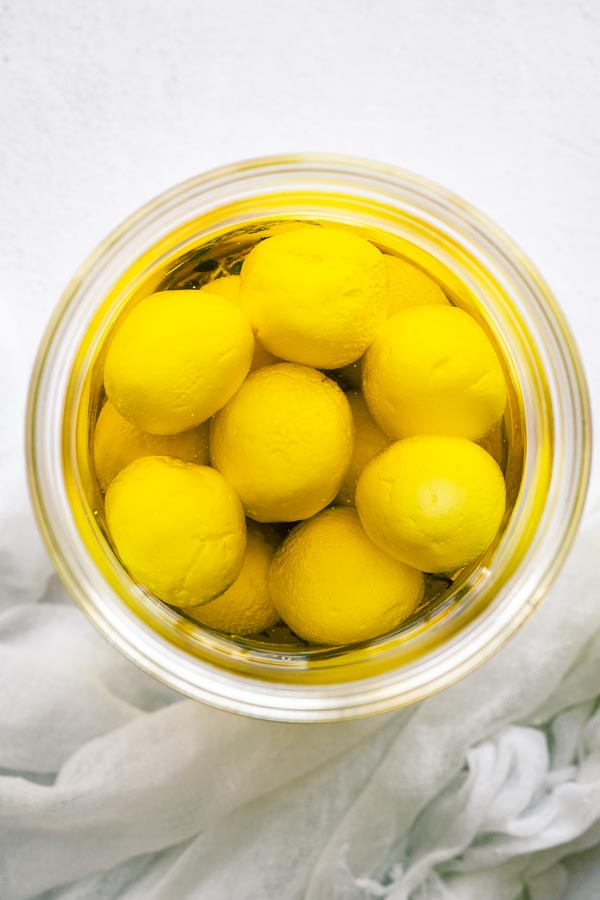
215, 245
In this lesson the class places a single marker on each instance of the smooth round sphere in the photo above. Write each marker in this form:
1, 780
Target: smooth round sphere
176, 359
410, 286
117, 442
435, 503
178, 528
246, 607
433, 370
284, 442
332, 585
315, 295
229, 286
369, 440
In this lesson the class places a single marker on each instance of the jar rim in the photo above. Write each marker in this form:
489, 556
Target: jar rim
482, 634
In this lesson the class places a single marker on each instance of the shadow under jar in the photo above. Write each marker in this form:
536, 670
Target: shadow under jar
205, 227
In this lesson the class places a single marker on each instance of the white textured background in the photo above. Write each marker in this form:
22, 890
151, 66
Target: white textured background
105, 104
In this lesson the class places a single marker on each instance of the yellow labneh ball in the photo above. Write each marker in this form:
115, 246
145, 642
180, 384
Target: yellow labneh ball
315, 295
409, 286
332, 585
284, 442
246, 607
435, 503
433, 370
454, 288
229, 286
369, 440
178, 528
176, 359
118, 442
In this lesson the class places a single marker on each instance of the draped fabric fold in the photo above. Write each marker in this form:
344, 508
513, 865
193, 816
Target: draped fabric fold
112, 786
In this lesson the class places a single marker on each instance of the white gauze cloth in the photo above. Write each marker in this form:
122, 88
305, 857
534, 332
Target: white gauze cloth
114, 787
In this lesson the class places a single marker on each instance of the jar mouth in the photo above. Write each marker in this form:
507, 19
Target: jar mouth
481, 613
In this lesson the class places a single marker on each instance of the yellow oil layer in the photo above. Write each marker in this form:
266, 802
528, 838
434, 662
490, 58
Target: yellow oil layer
191, 257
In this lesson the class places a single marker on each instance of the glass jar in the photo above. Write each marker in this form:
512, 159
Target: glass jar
481, 611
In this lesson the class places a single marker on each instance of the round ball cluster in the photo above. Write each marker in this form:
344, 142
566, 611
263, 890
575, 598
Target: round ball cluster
296, 442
